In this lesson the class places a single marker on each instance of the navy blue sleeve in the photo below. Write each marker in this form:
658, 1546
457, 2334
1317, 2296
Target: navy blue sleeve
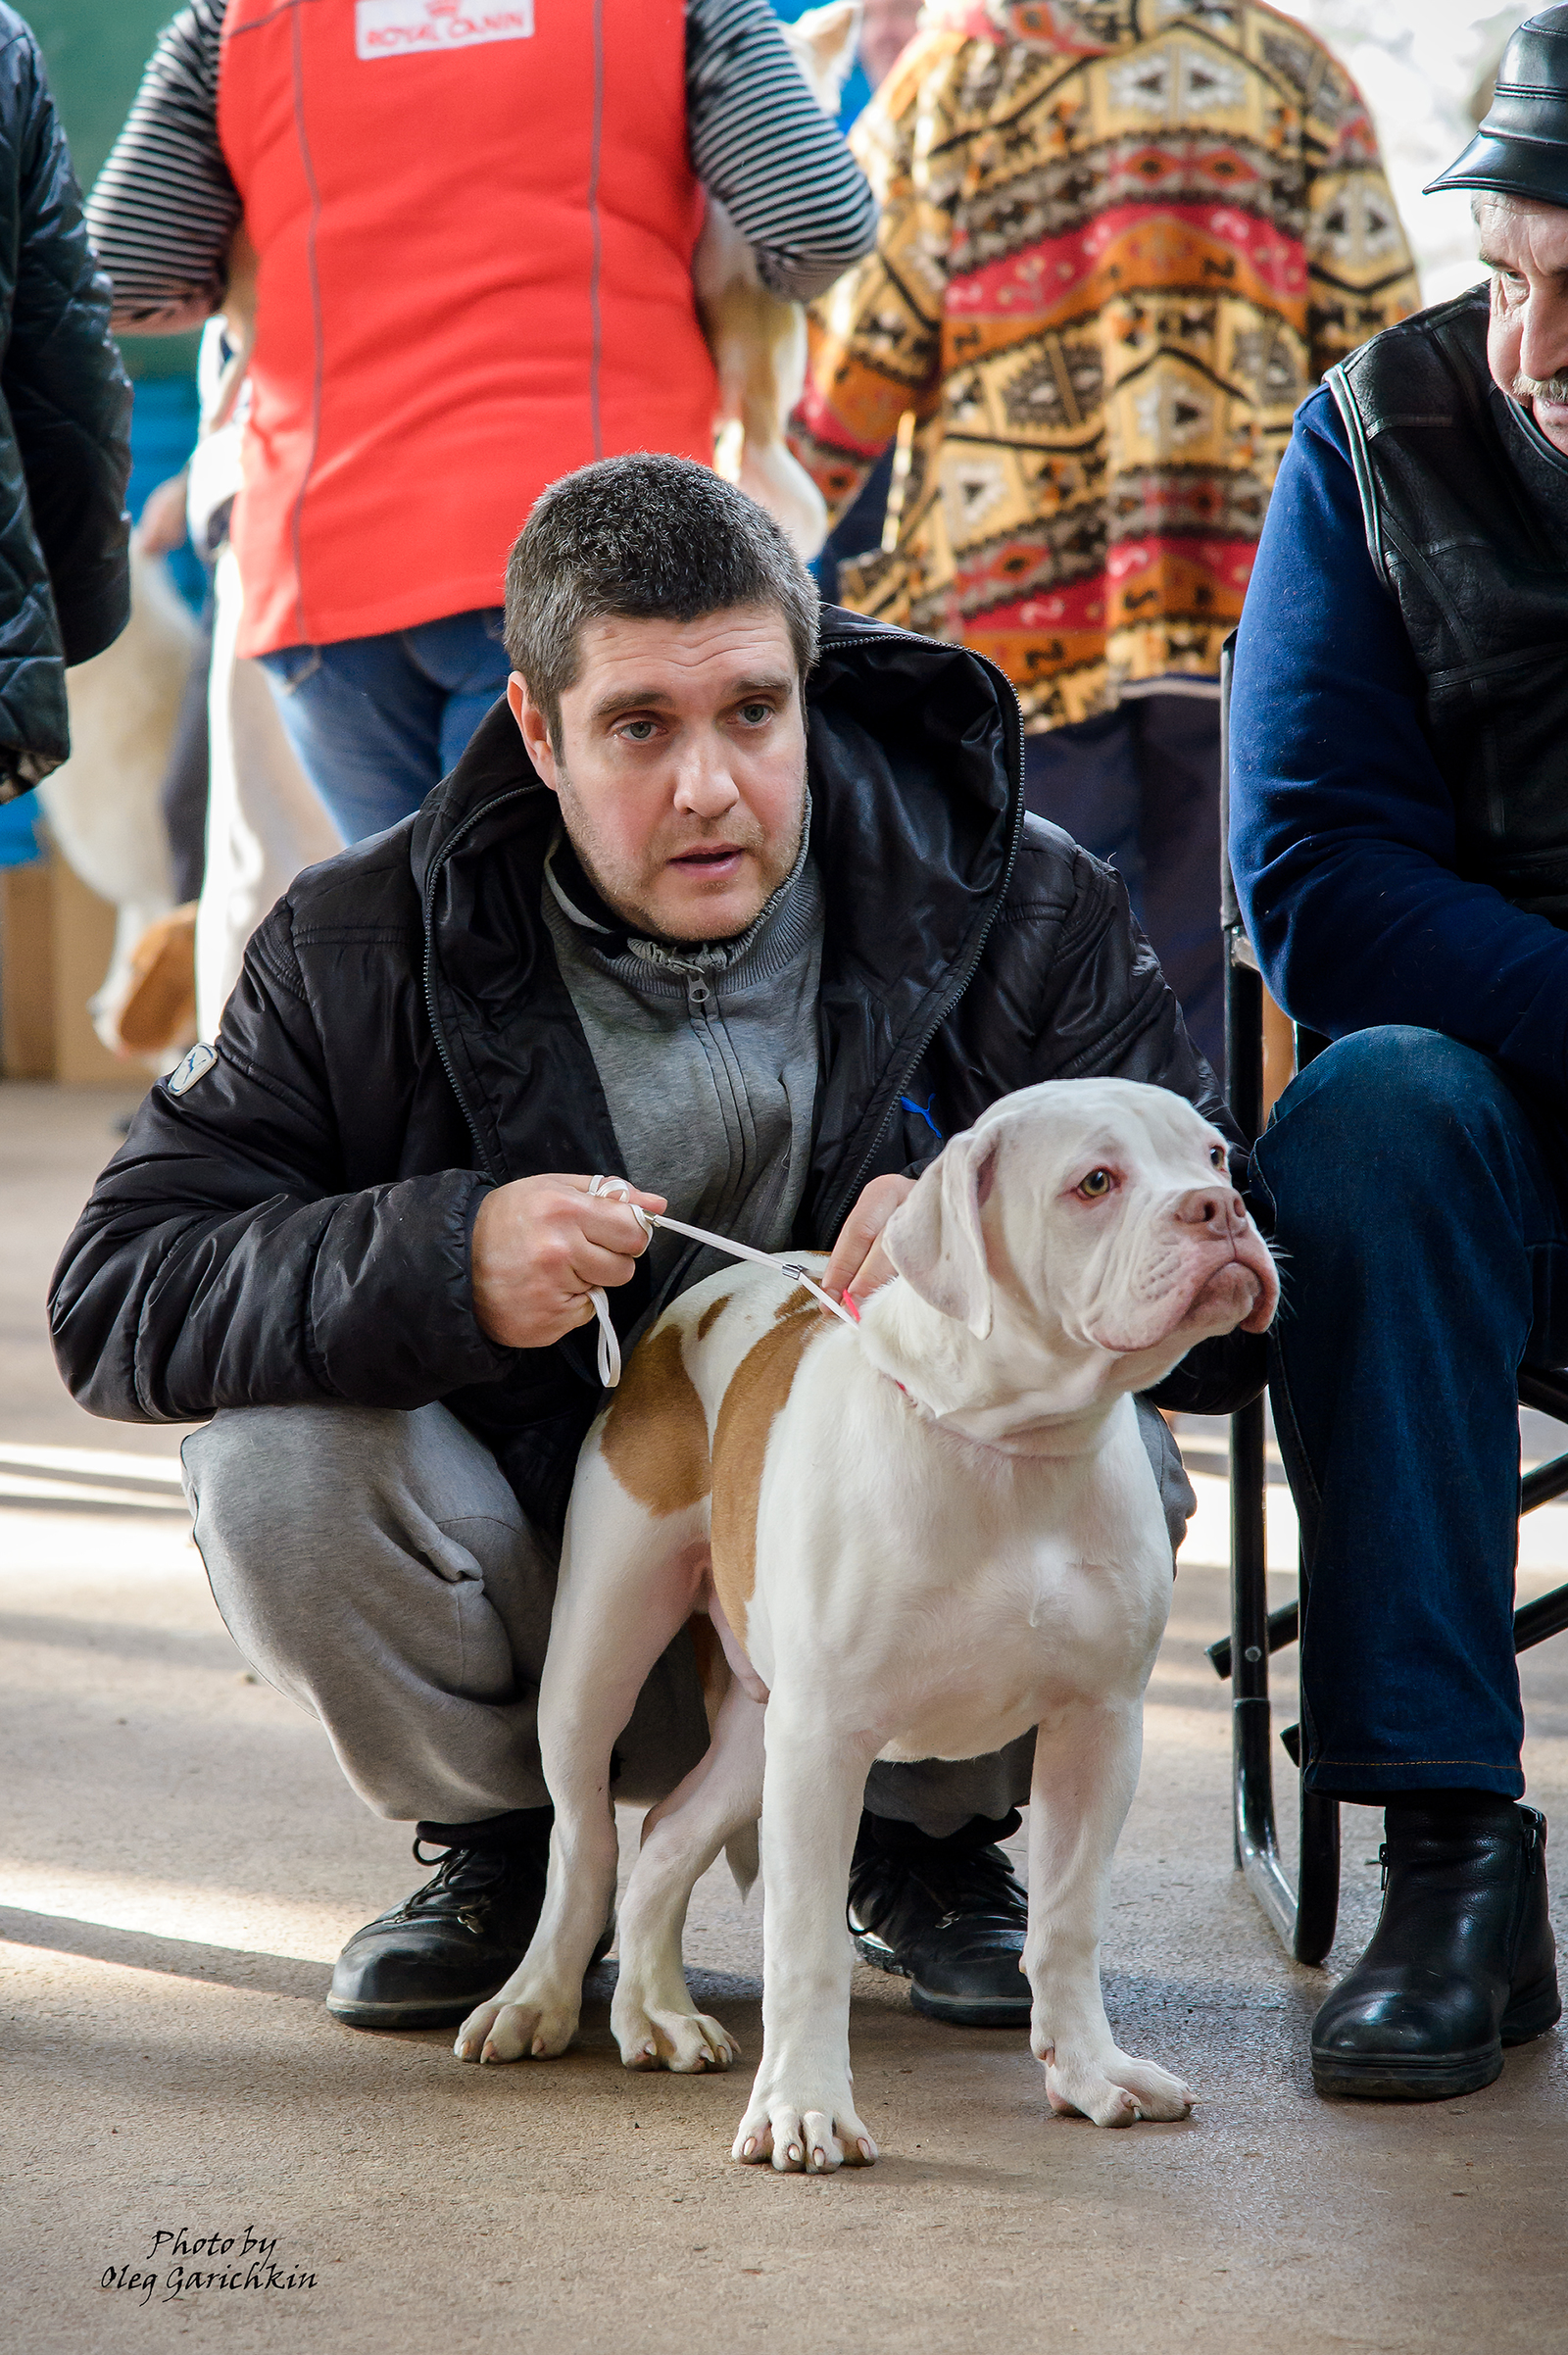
1342, 827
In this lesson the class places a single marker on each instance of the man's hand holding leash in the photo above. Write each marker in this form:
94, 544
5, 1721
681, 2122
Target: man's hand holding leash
542, 1247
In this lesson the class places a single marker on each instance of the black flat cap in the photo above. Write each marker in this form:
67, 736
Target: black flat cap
1522, 147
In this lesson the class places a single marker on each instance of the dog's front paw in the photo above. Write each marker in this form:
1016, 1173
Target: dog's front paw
524, 2021
1113, 2087
654, 2036
812, 2135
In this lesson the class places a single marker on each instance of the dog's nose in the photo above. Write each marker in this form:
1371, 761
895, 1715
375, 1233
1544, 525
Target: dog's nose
1217, 1207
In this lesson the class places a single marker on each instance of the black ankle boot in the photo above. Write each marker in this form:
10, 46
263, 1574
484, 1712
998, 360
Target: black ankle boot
1462, 1961
429, 1961
948, 1914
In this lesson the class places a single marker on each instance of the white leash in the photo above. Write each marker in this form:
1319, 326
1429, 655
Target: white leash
609, 1339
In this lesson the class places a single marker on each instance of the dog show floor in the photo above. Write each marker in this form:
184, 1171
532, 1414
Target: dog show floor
183, 1861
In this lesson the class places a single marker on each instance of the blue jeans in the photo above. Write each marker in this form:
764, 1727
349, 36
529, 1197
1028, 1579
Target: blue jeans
1418, 1197
376, 723
1140, 786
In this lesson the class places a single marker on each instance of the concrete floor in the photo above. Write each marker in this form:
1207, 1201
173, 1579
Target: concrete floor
183, 1861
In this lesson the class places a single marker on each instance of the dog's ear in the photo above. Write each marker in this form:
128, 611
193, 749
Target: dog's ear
934, 1237
829, 35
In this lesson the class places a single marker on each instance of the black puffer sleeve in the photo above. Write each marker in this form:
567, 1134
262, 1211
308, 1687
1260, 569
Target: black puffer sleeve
67, 395
219, 1262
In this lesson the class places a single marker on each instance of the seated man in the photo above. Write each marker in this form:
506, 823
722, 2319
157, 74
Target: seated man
1399, 837
755, 949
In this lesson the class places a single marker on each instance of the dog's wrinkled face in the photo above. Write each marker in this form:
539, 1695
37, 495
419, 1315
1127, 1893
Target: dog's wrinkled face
1099, 1212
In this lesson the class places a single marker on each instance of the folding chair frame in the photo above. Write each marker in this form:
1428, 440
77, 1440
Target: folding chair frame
1303, 1916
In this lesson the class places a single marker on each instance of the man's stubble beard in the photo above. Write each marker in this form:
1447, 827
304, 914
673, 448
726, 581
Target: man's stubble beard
620, 892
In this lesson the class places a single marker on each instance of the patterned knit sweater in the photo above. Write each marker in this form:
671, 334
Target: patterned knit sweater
1120, 241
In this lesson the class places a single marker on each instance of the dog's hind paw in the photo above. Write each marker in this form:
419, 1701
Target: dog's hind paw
1114, 2089
652, 2037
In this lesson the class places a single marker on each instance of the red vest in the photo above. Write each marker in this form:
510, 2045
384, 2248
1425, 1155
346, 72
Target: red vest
475, 275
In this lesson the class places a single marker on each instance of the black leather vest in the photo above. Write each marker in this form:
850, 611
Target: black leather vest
1466, 508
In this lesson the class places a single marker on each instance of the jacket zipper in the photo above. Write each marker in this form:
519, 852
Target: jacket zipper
834, 1214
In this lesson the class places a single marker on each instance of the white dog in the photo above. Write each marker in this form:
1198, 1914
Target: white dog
914, 1540
103, 805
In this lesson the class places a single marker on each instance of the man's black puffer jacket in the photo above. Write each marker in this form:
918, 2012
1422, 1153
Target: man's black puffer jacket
64, 430
296, 1226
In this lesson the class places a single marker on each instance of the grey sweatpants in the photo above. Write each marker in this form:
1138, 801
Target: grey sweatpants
376, 1567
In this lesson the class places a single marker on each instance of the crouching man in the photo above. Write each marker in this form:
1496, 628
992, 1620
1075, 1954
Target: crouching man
752, 919
1399, 836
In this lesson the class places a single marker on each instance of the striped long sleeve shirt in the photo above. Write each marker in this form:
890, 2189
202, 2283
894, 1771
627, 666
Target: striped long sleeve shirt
165, 207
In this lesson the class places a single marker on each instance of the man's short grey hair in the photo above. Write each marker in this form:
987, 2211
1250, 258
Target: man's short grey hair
643, 538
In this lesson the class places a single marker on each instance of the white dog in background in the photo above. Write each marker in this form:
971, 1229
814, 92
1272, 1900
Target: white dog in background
757, 340
103, 804
917, 1539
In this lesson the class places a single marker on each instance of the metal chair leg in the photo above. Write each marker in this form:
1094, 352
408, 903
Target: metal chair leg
1305, 1922
1317, 1908
1252, 1771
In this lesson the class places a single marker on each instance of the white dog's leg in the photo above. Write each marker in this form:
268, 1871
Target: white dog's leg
801, 2113
1086, 1771
625, 1591
655, 2023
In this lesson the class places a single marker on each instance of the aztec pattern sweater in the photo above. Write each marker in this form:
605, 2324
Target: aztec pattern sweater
1120, 241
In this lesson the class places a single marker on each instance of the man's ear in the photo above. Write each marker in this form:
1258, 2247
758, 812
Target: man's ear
934, 1238
534, 728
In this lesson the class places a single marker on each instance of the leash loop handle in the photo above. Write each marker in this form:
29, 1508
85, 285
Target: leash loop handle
618, 1189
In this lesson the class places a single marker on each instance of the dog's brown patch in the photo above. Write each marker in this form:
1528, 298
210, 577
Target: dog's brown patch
654, 1438
794, 1301
760, 1384
711, 1314
713, 1669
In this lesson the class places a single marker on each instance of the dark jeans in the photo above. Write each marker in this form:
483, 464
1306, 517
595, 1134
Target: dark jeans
1140, 786
376, 723
1418, 1199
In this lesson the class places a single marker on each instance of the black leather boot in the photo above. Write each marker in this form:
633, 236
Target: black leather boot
1462, 1961
429, 1960
948, 1914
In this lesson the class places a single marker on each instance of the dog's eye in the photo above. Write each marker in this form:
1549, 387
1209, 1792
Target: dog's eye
1216, 1156
1097, 1184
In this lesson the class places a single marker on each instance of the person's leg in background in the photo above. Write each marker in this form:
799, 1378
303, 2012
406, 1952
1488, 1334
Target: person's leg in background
264, 818
466, 661
1178, 769
365, 725
1418, 1207
377, 722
